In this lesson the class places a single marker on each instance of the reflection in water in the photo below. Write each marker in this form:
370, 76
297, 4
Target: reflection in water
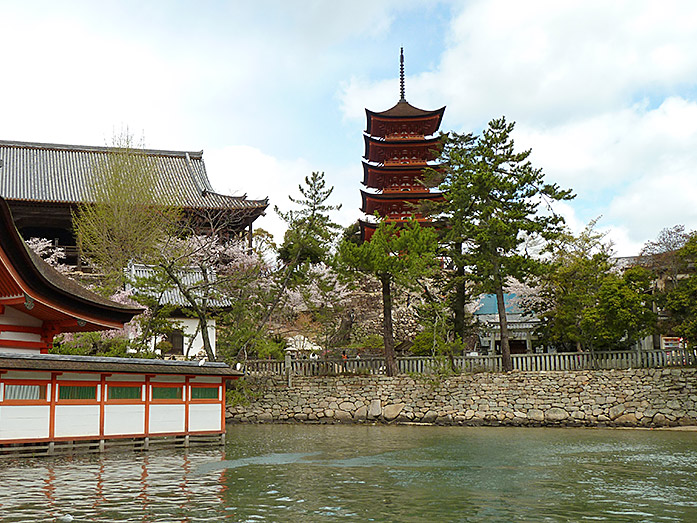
354, 473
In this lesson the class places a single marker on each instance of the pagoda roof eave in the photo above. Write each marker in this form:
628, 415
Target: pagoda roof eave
406, 196
372, 145
404, 109
401, 196
367, 138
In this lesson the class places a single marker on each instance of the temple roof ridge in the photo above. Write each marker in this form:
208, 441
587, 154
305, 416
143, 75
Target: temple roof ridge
95, 148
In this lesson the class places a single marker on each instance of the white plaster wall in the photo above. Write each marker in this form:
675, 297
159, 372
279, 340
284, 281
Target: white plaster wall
166, 418
189, 327
14, 317
164, 378
20, 336
204, 417
77, 376
77, 420
124, 419
19, 351
205, 379
26, 375
126, 377
24, 421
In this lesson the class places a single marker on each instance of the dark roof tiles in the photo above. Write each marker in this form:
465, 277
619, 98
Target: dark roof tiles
62, 173
62, 362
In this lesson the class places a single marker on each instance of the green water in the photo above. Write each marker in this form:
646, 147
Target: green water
371, 473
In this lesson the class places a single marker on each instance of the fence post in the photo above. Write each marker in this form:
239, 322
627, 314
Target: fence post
289, 368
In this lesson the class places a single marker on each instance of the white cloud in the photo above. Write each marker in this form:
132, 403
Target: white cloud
236, 169
636, 166
551, 61
603, 94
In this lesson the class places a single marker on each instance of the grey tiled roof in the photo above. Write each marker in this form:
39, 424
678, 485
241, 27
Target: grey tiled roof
172, 295
62, 173
60, 362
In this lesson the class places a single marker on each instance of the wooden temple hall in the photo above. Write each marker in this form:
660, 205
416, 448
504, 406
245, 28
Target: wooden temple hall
399, 144
45, 183
51, 403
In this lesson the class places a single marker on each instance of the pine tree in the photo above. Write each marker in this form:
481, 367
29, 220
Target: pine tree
394, 255
492, 197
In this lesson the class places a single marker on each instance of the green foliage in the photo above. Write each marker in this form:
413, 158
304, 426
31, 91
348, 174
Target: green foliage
352, 233
310, 232
586, 304
679, 300
436, 342
622, 313
492, 197
155, 322
404, 254
128, 214
96, 344
394, 255
370, 343
243, 392
239, 336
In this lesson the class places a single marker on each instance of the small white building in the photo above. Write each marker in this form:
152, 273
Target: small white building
186, 338
55, 401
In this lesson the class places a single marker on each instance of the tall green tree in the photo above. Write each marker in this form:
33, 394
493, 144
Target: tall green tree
451, 217
309, 238
311, 232
585, 302
394, 256
492, 198
679, 300
126, 216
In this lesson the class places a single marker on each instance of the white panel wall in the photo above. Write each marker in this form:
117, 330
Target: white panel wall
24, 421
14, 317
189, 327
124, 419
10, 350
77, 420
204, 417
166, 418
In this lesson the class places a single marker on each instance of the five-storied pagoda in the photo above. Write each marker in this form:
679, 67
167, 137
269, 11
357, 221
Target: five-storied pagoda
399, 144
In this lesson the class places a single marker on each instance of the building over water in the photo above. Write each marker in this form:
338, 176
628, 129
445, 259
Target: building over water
399, 143
50, 402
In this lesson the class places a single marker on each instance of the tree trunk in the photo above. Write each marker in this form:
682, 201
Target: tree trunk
459, 303
506, 361
199, 311
387, 334
203, 325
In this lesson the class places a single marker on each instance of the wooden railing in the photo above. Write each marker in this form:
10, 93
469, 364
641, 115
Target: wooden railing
523, 362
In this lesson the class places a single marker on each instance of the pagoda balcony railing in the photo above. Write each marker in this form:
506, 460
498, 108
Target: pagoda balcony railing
404, 188
406, 161
404, 136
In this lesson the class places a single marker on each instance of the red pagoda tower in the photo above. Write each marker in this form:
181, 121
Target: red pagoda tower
399, 144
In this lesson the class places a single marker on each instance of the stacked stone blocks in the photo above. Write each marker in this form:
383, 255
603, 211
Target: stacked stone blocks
633, 397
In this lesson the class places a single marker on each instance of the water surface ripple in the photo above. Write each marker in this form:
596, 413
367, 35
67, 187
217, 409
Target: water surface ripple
370, 473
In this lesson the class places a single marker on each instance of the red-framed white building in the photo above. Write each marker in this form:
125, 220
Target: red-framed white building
46, 398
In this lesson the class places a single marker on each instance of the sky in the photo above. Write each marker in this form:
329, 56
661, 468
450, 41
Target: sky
603, 93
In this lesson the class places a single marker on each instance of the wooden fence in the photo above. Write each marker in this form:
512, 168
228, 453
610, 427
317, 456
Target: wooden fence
524, 362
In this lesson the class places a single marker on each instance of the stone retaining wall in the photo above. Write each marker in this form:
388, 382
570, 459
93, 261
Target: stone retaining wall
634, 397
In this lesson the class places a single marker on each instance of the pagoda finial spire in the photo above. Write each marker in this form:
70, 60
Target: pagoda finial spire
401, 75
